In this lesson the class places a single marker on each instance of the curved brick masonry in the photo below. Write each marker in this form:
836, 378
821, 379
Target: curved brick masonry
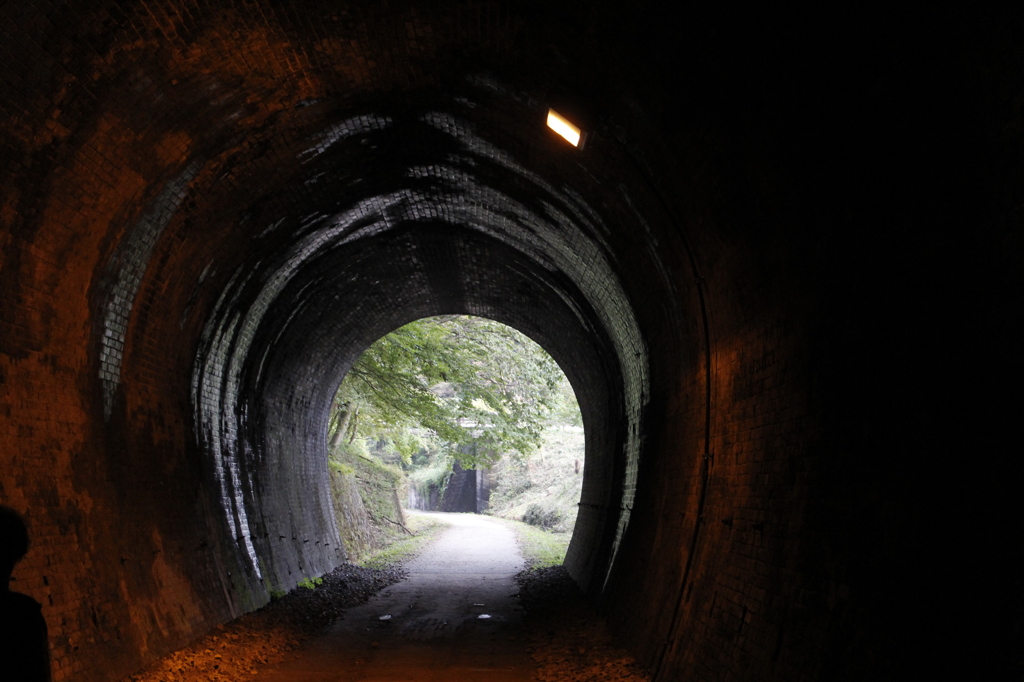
782, 274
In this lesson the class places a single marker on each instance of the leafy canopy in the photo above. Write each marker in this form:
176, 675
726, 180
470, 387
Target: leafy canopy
466, 385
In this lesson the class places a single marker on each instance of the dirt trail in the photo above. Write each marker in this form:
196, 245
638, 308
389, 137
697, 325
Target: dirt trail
456, 617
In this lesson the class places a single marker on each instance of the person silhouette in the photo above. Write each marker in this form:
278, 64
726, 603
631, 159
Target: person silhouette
24, 646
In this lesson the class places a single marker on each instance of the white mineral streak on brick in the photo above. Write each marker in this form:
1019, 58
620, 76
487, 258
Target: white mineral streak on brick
210, 389
227, 338
339, 131
225, 358
129, 266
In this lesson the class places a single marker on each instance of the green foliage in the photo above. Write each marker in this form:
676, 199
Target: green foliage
565, 411
465, 386
310, 583
354, 449
431, 473
277, 594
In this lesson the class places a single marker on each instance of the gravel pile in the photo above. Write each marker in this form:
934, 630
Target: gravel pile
345, 586
235, 651
569, 641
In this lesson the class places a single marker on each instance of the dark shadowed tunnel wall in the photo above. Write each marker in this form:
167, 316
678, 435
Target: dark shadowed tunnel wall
783, 275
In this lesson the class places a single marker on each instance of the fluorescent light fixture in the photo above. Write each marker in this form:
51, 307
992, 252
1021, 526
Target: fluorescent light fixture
561, 126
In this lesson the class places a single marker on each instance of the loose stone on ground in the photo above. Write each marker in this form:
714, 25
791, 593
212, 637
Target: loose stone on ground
569, 641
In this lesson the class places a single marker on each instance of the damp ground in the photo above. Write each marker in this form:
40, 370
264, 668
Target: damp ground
465, 608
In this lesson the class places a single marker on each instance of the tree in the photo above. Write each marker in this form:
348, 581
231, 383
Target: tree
472, 387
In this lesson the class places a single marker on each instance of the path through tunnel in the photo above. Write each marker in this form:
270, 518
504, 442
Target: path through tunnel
782, 274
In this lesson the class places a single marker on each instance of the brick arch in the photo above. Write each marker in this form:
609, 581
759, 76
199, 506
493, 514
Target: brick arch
482, 234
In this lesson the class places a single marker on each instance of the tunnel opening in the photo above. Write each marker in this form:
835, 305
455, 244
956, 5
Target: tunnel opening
279, 435
438, 220
468, 415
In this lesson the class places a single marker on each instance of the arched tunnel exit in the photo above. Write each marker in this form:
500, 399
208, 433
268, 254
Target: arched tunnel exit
781, 273
447, 223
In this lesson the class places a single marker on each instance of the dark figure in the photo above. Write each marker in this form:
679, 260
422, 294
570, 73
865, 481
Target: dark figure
24, 647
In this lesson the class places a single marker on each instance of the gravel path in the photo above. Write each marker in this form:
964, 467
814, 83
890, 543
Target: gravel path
458, 614
456, 617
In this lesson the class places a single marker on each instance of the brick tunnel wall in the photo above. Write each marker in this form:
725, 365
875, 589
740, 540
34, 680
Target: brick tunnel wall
783, 276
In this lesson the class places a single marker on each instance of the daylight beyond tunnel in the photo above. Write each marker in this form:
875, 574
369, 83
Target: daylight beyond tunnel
779, 271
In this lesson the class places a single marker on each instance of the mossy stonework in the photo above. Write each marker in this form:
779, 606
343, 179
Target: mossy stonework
365, 494
354, 527
783, 275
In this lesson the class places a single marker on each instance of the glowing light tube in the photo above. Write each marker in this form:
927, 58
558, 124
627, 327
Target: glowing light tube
561, 126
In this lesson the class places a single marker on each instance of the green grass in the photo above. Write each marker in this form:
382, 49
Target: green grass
340, 467
540, 548
406, 547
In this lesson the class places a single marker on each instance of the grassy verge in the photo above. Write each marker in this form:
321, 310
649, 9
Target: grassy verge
426, 529
546, 486
540, 548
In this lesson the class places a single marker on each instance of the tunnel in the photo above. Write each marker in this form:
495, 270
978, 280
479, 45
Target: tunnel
782, 273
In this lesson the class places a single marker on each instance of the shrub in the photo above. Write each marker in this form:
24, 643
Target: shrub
537, 515
310, 583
